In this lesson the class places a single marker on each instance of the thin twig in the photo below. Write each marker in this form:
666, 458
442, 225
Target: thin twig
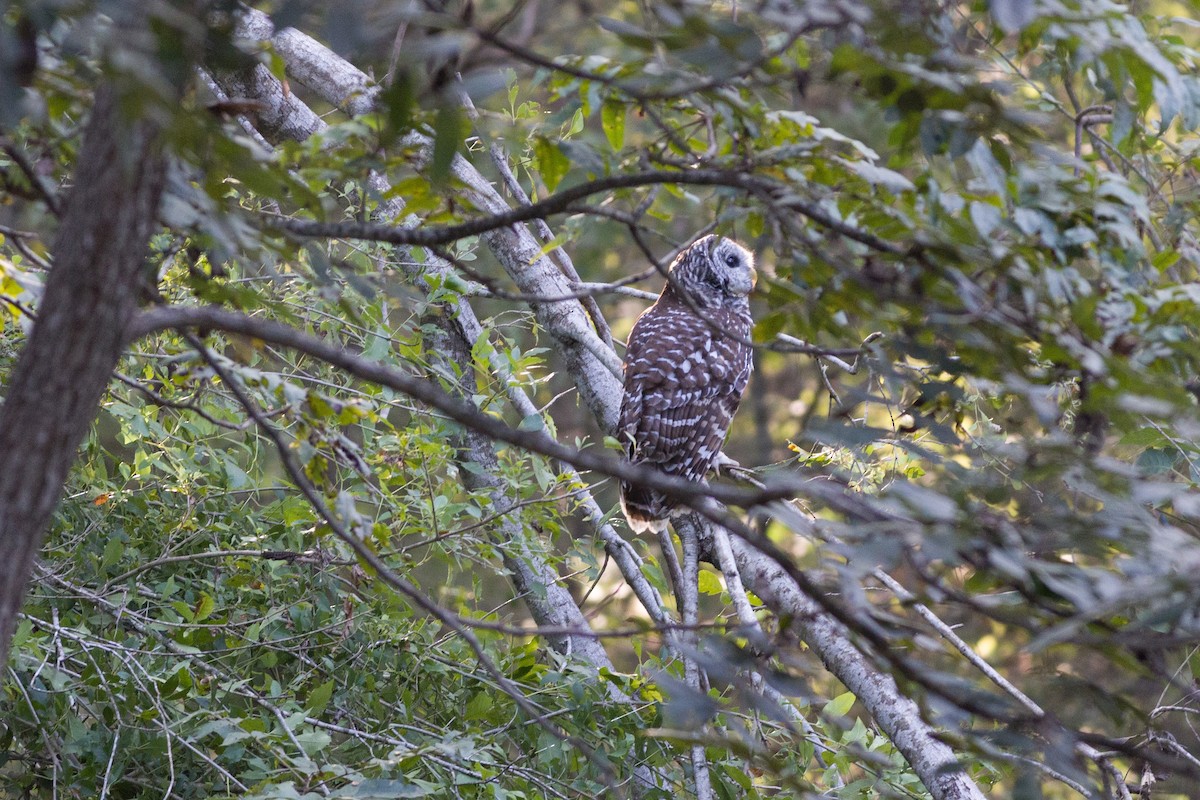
40, 185
112, 755
160, 400
1092, 115
394, 59
645, 96
977, 661
270, 555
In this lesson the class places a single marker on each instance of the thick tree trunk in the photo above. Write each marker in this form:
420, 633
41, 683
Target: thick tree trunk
91, 294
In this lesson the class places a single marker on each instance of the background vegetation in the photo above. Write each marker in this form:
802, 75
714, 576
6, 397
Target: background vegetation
344, 524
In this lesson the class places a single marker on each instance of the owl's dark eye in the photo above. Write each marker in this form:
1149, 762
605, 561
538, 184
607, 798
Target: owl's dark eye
731, 260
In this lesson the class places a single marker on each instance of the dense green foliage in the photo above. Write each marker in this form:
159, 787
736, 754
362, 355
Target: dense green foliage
1006, 191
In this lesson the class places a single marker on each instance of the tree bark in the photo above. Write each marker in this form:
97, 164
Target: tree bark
78, 336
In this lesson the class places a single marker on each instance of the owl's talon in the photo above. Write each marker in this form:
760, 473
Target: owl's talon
724, 462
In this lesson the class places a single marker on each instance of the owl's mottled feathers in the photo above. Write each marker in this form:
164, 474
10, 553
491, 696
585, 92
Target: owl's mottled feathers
686, 367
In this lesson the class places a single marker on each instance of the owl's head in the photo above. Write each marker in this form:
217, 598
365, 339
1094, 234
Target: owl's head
715, 271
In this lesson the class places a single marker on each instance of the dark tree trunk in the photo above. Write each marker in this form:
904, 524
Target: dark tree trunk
91, 294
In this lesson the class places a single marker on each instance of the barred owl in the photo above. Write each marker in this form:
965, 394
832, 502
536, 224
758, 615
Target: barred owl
685, 369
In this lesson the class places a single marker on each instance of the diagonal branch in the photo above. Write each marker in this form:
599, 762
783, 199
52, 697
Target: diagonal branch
548, 600
340, 83
428, 392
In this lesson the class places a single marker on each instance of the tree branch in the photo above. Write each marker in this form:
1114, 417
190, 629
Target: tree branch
428, 392
563, 201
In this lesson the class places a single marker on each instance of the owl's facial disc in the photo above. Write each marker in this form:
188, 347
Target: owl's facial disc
736, 266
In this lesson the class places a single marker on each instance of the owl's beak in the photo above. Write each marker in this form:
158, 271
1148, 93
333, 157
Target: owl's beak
742, 283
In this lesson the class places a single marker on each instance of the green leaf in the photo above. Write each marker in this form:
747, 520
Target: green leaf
114, 548
386, 789
552, 164
577, 122
449, 130
204, 607
840, 705
313, 741
1157, 460
766, 329
398, 102
319, 698
1165, 259
379, 346
1144, 437
533, 422
479, 706
319, 406
238, 479
182, 609
21, 635
710, 584
612, 119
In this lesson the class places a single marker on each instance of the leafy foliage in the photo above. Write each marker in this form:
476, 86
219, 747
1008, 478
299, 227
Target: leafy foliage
1004, 190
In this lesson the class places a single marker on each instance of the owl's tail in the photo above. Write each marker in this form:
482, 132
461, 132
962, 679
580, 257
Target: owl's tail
646, 509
